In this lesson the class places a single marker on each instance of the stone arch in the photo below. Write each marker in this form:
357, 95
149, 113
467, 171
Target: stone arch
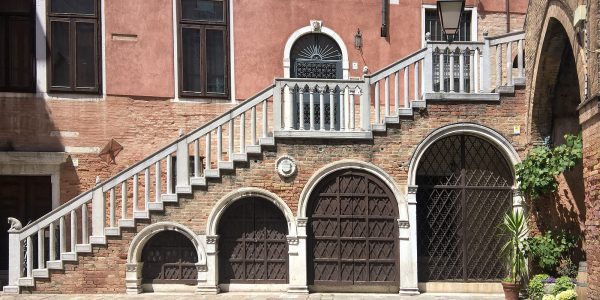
133, 266
309, 29
222, 205
322, 173
488, 134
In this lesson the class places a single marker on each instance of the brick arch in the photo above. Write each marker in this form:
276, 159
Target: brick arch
557, 41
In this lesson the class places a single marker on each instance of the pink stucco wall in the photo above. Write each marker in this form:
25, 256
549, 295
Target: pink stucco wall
141, 66
261, 28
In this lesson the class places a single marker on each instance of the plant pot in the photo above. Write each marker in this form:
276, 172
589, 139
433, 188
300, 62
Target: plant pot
511, 290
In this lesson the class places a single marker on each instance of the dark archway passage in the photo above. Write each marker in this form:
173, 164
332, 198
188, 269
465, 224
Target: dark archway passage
252, 243
169, 257
464, 191
352, 232
556, 96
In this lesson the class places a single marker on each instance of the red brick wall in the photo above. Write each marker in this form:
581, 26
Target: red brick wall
104, 271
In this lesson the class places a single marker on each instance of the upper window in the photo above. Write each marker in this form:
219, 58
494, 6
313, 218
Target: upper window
74, 46
433, 26
203, 48
17, 50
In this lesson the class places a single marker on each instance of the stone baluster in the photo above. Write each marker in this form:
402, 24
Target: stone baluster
41, 262
498, 66
62, 237
147, 187
301, 108
29, 254
451, 70
265, 124
73, 220
377, 108
441, 66
351, 110
520, 58
243, 132
112, 208
416, 80
311, 108
84, 224
509, 77
396, 91
252, 127
52, 241
386, 93
230, 141
207, 150
461, 70
342, 106
136, 181
197, 158
471, 71
332, 109
219, 144
124, 199
406, 89
322, 109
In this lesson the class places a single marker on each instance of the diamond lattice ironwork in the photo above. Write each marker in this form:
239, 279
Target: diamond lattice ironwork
465, 188
352, 231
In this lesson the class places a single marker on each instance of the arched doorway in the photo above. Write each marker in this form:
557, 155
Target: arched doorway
315, 55
169, 257
252, 243
464, 190
352, 233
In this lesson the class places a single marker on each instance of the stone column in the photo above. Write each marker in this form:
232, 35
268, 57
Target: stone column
408, 246
133, 278
209, 285
297, 260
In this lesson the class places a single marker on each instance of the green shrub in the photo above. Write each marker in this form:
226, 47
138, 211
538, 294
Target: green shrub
562, 284
567, 295
548, 297
536, 173
535, 288
547, 249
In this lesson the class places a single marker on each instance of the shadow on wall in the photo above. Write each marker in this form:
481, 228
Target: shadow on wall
554, 112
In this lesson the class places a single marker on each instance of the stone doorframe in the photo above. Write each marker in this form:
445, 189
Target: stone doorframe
35, 164
486, 133
211, 284
315, 26
408, 278
133, 271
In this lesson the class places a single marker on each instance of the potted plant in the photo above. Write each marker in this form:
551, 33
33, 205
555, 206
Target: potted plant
515, 230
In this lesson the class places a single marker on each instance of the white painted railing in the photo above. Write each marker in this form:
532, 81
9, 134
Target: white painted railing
325, 108
131, 194
304, 108
409, 69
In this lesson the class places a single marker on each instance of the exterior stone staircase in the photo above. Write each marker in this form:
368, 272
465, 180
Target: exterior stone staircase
248, 128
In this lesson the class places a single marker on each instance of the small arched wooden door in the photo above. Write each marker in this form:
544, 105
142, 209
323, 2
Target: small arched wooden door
169, 257
352, 232
252, 243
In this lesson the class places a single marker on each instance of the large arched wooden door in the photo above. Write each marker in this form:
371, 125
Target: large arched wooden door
169, 257
464, 190
352, 232
252, 243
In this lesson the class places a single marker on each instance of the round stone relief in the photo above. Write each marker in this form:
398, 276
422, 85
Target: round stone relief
286, 166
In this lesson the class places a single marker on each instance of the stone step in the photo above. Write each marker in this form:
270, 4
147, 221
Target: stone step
240, 157
253, 149
198, 181
141, 215
98, 240
68, 256
127, 223
83, 248
212, 173
26, 281
156, 206
226, 165
169, 198
392, 120
378, 127
41, 273
506, 89
112, 231
405, 112
267, 141
54, 265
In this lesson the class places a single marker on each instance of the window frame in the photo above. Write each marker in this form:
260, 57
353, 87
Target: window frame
32, 55
202, 26
72, 19
474, 22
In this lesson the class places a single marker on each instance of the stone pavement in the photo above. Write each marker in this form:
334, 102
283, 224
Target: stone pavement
266, 296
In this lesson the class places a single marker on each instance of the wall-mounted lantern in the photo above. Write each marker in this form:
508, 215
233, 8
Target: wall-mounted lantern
450, 13
358, 39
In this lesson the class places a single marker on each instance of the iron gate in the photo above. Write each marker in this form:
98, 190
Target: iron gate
352, 231
464, 190
169, 257
252, 243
